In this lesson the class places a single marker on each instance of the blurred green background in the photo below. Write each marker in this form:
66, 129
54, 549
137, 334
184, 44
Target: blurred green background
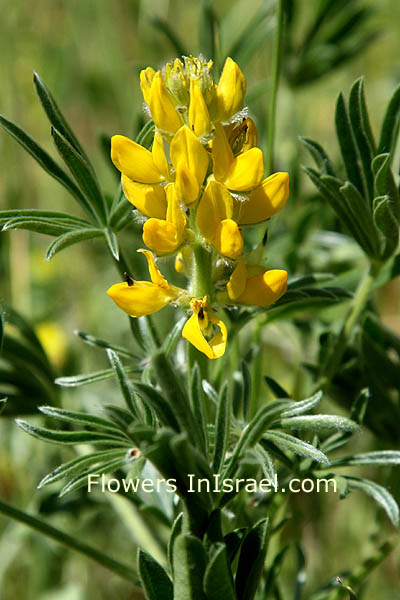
90, 53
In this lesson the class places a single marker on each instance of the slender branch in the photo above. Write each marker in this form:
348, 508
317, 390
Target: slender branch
275, 85
63, 538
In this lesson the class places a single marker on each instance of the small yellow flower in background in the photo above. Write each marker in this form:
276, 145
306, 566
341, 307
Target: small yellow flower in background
54, 341
199, 186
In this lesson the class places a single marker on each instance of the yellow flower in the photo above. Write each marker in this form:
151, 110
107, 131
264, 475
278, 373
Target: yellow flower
139, 298
165, 236
241, 173
190, 160
265, 201
215, 223
204, 330
260, 289
230, 91
242, 136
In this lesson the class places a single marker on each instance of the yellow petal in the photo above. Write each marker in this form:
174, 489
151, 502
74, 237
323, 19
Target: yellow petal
246, 171
222, 154
158, 153
237, 281
160, 236
265, 201
193, 332
149, 199
228, 240
186, 185
264, 289
199, 118
162, 107
175, 214
146, 78
215, 205
183, 261
141, 298
251, 139
230, 91
187, 151
155, 273
134, 161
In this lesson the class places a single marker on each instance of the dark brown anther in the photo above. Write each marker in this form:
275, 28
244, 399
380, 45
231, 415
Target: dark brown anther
128, 279
201, 314
265, 238
192, 127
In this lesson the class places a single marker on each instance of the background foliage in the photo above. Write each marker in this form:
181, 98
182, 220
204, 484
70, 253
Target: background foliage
90, 53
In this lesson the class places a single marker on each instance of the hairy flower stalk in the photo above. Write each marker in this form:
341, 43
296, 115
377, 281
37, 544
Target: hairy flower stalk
201, 184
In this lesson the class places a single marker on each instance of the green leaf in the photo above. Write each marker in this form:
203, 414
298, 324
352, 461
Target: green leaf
70, 416
273, 572
390, 125
112, 243
246, 389
379, 494
124, 383
276, 389
71, 237
319, 155
318, 423
2, 325
46, 162
385, 184
100, 343
82, 480
302, 406
387, 224
380, 457
289, 443
85, 378
189, 561
173, 337
251, 560
218, 580
362, 132
158, 403
222, 426
155, 581
175, 531
72, 437
347, 144
76, 465
54, 114
83, 175
360, 214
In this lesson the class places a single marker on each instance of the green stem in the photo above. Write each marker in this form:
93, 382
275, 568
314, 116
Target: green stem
201, 276
63, 538
275, 85
360, 300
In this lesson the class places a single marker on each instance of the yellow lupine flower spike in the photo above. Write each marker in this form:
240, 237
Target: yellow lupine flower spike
200, 324
230, 91
139, 298
262, 289
214, 220
149, 199
265, 201
190, 160
241, 173
165, 236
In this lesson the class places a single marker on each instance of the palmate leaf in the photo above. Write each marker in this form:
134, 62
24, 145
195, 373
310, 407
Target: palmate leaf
70, 238
82, 480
